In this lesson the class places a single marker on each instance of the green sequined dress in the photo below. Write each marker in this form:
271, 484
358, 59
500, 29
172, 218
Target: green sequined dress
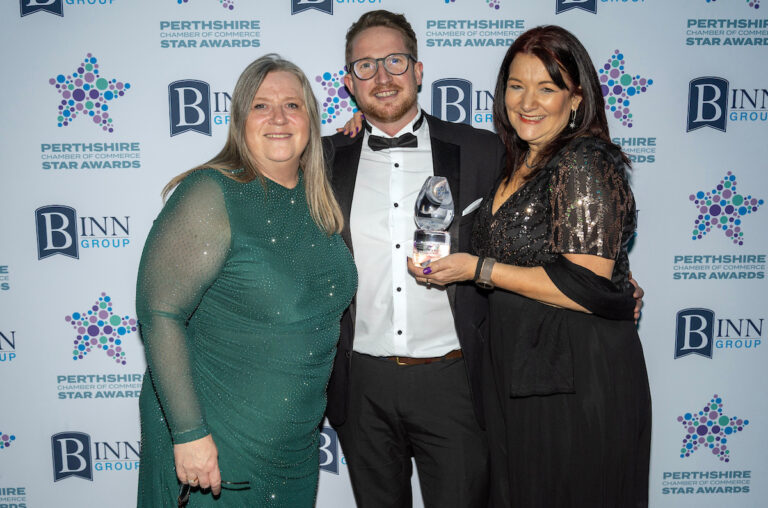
239, 296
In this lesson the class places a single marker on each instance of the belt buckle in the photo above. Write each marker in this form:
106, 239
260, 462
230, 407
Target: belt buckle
397, 361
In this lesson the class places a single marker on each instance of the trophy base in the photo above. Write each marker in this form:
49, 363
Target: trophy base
430, 245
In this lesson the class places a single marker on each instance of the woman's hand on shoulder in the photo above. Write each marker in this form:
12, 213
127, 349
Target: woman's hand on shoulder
453, 268
353, 125
197, 463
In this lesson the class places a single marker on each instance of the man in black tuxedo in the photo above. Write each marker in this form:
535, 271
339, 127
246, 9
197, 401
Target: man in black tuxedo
406, 379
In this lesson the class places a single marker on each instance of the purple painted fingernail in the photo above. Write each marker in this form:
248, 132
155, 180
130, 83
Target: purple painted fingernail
427, 270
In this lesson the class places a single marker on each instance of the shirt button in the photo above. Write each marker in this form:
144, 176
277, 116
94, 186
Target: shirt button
397, 246
396, 205
397, 165
399, 332
399, 289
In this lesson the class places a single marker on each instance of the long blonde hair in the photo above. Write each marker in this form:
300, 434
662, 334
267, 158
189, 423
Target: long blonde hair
236, 162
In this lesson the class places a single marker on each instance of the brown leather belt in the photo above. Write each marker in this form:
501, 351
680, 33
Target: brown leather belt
404, 360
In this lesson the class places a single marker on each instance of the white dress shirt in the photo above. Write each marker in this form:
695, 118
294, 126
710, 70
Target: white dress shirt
395, 316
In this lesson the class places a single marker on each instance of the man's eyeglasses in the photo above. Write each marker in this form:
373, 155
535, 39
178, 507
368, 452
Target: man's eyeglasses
395, 64
185, 489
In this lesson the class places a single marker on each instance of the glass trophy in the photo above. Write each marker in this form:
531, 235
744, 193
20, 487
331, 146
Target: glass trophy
433, 214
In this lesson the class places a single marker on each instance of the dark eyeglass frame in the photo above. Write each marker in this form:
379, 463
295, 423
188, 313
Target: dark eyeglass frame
185, 489
407, 56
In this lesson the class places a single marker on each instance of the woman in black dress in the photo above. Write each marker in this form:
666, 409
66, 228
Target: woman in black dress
568, 403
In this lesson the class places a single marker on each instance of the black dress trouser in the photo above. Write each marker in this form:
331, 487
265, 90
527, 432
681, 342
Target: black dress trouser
397, 412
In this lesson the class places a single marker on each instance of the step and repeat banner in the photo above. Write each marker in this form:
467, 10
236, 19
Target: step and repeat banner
105, 100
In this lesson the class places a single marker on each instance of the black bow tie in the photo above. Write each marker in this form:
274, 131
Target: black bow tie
407, 140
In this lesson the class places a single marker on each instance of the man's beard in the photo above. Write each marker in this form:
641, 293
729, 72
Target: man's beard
388, 113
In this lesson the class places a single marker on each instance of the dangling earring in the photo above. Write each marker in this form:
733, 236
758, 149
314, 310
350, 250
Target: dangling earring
572, 125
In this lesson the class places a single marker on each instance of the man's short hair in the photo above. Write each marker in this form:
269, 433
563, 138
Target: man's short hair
387, 19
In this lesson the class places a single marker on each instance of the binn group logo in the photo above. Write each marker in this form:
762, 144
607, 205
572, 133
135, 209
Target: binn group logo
299, 6
227, 4
60, 231
86, 93
699, 332
100, 329
75, 454
57, 6
193, 107
711, 103
337, 100
722, 209
455, 100
710, 429
493, 4
619, 88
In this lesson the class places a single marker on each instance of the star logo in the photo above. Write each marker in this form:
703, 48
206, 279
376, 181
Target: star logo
99, 328
493, 4
227, 4
755, 4
337, 98
710, 429
85, 92
618, 88
6, 440
722, 208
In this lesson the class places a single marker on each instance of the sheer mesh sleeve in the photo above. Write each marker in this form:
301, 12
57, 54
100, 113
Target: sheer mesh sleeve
590, 199
183, 255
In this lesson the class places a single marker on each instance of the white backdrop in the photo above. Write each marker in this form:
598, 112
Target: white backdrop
145, 87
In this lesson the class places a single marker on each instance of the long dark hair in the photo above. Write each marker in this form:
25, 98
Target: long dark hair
562, 55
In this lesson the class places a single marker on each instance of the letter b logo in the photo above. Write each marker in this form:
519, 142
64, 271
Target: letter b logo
567, 5
707, 103
452, 100
33, 6
329, 450
694, 332
56, 231
189, 104
71, 453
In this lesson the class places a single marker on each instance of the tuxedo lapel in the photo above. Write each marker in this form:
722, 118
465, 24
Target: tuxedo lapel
445, 162
345, 162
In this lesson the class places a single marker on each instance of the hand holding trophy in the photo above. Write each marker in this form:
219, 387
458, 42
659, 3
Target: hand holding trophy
433, 214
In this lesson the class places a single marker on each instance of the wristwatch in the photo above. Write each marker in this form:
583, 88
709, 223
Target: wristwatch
483, 272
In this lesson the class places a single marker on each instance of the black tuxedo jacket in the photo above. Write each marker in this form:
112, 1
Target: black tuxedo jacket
471, 159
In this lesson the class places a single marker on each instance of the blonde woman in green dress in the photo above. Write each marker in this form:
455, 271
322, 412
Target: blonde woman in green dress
241, 286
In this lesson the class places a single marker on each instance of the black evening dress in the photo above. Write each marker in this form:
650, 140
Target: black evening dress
567, 397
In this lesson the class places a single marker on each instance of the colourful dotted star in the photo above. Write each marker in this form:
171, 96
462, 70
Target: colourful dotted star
227, 4
337, 98
493, 4
6, 440
722, 208
85, 92
99, 328
710, 428
618, 87
750, 3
